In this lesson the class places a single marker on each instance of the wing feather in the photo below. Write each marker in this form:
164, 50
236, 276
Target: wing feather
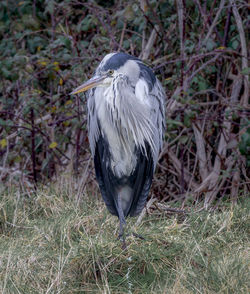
104, 175
142, 182
156, 100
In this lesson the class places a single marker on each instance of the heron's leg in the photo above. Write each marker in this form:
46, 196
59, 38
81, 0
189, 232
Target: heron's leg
121, 219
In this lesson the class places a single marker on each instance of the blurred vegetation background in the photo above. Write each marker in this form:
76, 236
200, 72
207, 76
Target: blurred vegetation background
198, 49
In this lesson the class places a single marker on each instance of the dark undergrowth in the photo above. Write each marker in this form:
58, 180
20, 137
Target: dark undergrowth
197, 50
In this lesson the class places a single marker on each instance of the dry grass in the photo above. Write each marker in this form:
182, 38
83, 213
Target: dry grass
50, 242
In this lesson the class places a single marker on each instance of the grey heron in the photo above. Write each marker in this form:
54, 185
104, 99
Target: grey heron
126, 122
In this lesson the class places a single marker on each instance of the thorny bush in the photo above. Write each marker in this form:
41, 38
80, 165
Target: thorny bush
199, 52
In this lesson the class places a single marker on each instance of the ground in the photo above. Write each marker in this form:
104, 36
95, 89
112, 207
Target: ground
53, 242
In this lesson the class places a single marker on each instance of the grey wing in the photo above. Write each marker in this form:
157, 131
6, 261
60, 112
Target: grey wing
146, 164
156, 99
93, 125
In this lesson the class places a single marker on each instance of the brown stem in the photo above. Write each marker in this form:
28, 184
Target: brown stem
33, 147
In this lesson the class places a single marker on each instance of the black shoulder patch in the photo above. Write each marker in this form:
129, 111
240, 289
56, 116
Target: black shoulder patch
147, 74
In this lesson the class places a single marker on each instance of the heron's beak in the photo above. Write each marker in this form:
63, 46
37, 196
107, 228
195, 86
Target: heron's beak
94, 82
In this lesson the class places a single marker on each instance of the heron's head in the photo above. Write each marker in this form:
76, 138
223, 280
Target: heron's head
114, 65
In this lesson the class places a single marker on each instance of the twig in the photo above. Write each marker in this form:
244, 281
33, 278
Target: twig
222, 3
197, 57
201, 152
122, 35
226, 29
208, 22
83, 181
33, 147
142, 214
177, 166
170, 209
213, 177
245, 96
172, 104
3, 170
204, 65
181, 22
150, 43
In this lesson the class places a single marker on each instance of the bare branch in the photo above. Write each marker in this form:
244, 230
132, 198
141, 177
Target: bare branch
214, 23
222, 148
145, 54
177, 165
201, 152
239, 23
142, 214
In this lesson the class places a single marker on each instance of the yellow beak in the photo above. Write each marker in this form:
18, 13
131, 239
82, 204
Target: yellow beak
94, 82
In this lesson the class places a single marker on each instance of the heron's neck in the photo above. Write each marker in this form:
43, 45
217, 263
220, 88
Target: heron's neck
115, 94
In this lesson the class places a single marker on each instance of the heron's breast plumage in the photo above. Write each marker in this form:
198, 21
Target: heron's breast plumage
119, 138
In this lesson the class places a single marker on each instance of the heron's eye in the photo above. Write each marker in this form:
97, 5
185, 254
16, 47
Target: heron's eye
110, 72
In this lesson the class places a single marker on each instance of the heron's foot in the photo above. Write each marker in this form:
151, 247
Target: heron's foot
122, 238
124, 245
138, 236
